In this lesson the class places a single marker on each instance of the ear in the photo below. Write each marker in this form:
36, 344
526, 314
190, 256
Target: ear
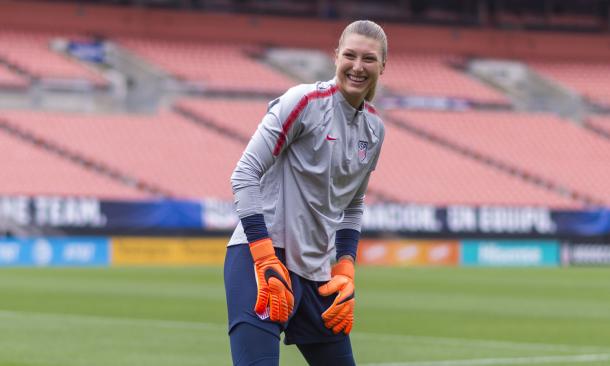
382, 68
336, 56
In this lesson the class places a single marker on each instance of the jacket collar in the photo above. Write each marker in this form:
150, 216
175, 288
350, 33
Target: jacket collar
351, 114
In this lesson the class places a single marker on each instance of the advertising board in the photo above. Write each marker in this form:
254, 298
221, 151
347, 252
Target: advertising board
43, 252
510, 253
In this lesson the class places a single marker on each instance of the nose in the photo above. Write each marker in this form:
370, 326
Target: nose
357, 65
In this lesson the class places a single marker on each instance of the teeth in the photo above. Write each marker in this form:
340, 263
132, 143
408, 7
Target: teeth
356, 78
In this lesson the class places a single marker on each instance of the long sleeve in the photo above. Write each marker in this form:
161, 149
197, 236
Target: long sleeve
278, 128
254, 162
352, 218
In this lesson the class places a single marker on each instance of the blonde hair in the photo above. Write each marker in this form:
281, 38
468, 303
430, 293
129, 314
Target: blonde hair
372, 30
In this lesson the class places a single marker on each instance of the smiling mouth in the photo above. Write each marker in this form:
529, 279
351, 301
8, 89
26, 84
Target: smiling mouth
356, 79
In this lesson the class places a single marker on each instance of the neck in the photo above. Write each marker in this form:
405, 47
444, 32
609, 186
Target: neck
357, 103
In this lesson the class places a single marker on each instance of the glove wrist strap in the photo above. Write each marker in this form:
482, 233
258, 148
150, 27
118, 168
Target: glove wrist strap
261, 249
344, 267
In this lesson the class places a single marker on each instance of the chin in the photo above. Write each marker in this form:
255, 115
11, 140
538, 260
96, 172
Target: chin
356, 92
356, 95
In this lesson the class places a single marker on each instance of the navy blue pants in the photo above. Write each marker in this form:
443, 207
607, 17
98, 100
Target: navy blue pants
255, 341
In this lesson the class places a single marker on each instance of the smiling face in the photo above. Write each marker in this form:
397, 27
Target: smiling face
358, 64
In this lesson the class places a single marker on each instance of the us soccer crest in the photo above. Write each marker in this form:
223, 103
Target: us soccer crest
362, 148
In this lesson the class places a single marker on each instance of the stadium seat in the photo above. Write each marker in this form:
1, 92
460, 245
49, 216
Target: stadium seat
214, 66
589, 78
238, 116
539, 144
429, 74
31, 170
414, 170
26, 49
11, 80
165, 150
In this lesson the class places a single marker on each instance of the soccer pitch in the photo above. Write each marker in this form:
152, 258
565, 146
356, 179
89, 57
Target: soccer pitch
404, 316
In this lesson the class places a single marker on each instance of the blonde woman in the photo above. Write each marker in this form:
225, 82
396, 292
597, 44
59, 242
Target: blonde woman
299, 193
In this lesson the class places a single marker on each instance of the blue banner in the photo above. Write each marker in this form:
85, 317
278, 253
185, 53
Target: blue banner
55, 216
158, 215
510, 253
85, 214
64, 252
487, 221
582, 223
92, 51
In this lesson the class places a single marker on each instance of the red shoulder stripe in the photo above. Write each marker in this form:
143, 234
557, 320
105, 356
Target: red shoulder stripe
370, 108
296, 111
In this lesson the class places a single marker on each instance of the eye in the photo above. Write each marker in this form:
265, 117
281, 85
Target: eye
349, 55
370, 59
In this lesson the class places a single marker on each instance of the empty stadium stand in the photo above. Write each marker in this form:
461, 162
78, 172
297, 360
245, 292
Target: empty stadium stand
431, 74
589, 78
412, 169
166, 150
561, 153
10, 79
29, 169
30, 52
236, 117
213, 66
189, 148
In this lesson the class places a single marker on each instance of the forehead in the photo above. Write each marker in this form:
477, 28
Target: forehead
360, 43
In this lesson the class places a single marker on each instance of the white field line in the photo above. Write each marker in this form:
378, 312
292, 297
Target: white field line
534, 360
368, 336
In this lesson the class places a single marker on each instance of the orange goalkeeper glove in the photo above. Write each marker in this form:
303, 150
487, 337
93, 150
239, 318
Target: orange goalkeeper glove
273, 282
340, 315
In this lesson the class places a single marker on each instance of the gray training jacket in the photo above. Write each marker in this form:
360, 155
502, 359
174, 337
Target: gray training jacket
306, 169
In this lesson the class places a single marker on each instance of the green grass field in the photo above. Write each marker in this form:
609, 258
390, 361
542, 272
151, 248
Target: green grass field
405, 316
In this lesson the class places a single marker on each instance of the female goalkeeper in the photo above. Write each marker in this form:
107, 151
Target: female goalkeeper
299, 193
